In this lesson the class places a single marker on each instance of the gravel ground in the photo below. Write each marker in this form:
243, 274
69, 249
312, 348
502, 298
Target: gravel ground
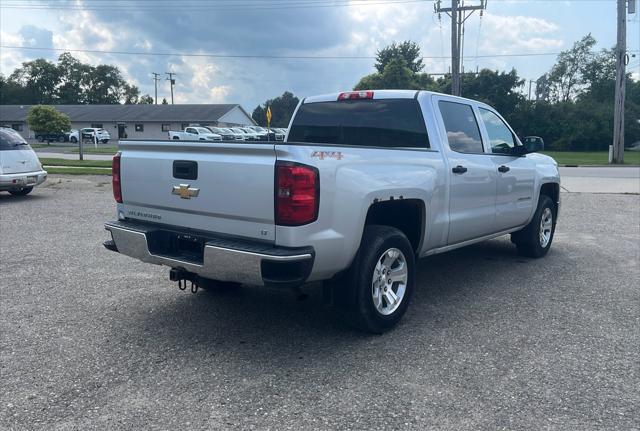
94, 340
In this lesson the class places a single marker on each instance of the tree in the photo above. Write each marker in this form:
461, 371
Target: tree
281, 110
47, 119
39, 79
164, 101
130, 94
145, 100
408, 51
567, 75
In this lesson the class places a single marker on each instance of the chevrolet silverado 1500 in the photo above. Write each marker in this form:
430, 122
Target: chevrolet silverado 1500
363, 185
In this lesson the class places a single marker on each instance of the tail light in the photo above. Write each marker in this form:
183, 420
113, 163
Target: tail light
115, 178
297, 194
355, 95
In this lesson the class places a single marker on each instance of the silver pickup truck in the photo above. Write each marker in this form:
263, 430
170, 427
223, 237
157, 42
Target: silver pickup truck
364, 184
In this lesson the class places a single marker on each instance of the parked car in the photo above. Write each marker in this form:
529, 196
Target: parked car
262, 132
252, 133
89, 133
52, 136
195, 134
366, 183
20, 169
245, 135
227, 135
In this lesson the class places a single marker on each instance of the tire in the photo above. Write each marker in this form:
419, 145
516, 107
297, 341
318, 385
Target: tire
176, 138
531, 241
60, 138
370, 294
73, 139
40, 138
22, 192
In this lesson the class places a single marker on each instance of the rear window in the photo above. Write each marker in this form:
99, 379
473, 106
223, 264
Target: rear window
371, 123
11, 140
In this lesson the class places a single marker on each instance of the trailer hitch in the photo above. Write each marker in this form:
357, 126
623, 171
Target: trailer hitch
181, 275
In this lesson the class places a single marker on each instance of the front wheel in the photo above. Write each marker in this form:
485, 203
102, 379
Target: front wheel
73, 139
21, 192
380, 281
535, 239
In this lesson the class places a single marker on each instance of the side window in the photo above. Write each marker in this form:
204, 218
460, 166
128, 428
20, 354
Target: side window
462, 128
191, 130
500, 137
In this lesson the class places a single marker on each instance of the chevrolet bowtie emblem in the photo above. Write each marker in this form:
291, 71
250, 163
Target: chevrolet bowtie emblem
185, 192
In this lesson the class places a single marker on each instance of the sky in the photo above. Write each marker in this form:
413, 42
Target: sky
240, 29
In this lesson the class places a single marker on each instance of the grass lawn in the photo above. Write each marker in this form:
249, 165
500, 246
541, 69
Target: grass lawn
90, 149
79, 171
81, 163
591, 157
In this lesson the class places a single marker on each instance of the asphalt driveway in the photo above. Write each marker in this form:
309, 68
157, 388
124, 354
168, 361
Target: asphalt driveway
90, 339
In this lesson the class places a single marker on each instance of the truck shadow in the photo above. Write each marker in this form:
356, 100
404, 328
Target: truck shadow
7, 199
249, 320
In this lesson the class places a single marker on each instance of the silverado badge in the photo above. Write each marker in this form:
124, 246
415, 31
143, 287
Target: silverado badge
185, 192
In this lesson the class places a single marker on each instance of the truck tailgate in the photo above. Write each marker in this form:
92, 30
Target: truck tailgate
215, 187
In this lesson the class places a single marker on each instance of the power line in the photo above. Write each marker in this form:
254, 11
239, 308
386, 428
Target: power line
264, 56
119, 7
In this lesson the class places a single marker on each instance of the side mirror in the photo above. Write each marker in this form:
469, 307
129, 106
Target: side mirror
519, 150
533, 143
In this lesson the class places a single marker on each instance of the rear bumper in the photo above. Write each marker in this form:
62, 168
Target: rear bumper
21, 180
221, 259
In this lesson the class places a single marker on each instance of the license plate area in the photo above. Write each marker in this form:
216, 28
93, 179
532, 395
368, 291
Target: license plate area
32, 180
177, 245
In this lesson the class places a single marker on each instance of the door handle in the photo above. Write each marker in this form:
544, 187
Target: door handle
504, 169
459, 170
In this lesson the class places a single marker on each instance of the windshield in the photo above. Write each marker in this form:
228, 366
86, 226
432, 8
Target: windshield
374, 123
235, 129
12, 140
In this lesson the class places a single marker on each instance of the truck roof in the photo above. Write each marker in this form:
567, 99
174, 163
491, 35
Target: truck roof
377, 94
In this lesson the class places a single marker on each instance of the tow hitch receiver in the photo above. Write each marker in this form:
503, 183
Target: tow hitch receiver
181, 275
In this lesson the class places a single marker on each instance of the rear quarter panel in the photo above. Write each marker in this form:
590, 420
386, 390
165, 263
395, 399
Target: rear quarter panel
351, 180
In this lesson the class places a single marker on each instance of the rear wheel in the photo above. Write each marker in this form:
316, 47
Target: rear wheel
379, 284
535, 239
21, 192
40, 138
60, 138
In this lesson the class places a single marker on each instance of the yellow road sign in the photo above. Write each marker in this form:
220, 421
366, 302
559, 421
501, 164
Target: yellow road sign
268, 116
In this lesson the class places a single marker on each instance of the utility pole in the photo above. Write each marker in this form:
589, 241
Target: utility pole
459, 15
172, 82
621, 60
155, 83
530, 82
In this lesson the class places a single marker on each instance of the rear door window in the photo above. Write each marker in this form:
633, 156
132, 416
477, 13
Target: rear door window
393, 123
462, 129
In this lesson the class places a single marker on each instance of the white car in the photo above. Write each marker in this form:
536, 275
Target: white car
195, 133
20, 169
89, 133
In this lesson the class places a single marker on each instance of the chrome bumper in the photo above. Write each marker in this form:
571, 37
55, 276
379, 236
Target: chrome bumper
225, 260
21, 180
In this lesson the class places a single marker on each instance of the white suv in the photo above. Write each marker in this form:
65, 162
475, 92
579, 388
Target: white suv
20, 169
90, 132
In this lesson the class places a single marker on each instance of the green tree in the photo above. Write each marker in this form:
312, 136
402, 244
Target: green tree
145, 100
39, 79
566, 77
408, 51
130, 94
164, 101
47, 119
282, 108
75, 79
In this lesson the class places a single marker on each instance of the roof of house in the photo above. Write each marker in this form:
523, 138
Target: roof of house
129, 113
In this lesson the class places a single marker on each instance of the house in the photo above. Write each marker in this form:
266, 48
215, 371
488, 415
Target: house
134, 121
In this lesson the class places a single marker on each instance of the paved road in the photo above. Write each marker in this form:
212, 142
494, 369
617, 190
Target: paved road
601, 179
93, 340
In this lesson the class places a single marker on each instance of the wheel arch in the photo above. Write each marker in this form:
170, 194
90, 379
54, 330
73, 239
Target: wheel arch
406, 215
